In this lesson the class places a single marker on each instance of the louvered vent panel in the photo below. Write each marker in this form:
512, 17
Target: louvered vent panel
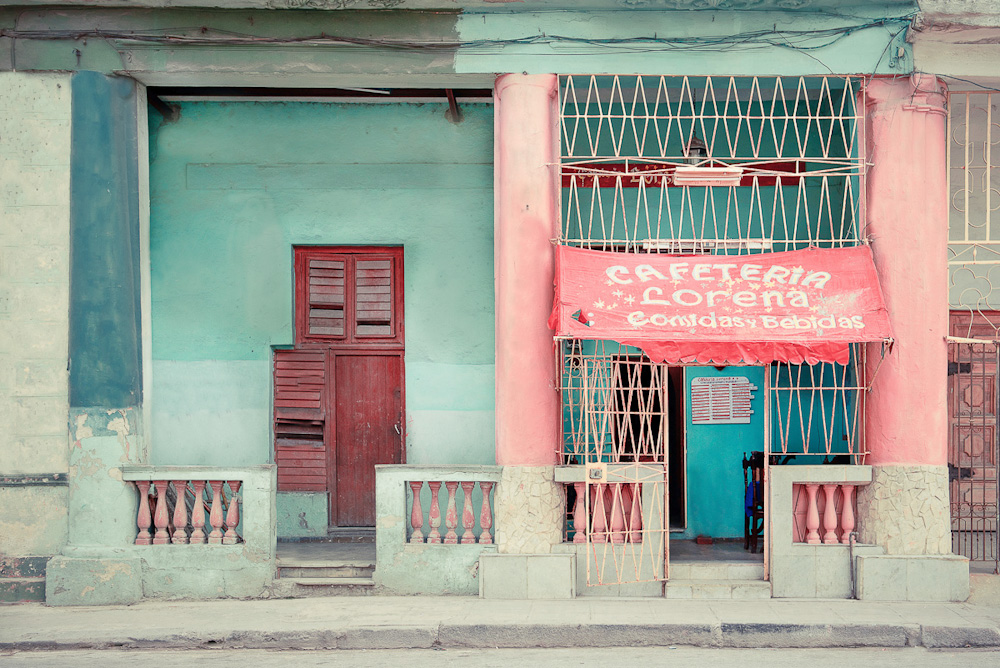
326, 298
373, 297
299, 420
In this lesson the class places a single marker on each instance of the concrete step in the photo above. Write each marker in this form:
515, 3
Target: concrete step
718, 589
17, 590
716, 570
332, 569
318, 586
333, 582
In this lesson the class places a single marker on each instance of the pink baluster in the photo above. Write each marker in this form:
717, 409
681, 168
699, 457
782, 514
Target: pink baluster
599, 523
468, 515
635, 516
434, 515
198, 513
847, 513
416, 513
812, 516
451, 515
580, 513
215, 515
486, 515
145, 520
830, 515
617, 513
233, 514
180, 513
162, 516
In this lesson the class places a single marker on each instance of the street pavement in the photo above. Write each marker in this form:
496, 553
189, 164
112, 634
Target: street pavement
420, 622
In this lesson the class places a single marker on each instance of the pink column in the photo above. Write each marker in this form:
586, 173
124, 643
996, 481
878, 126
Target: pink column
144, 520
451, 515
434, 514
847, 514
635, 515
233, 514
830, 515
812, 516
416, 513
599, 521
468, 516
580, 513
526, 201
486, 514
198, 513
907, 219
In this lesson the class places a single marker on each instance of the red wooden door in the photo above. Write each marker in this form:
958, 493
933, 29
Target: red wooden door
368, 391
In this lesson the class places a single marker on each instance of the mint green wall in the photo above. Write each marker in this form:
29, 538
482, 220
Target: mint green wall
235, 185
715, 459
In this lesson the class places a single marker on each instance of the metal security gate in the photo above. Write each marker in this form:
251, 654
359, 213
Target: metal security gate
974, 449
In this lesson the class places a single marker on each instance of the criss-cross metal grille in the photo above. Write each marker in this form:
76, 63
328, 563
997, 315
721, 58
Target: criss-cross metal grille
818, 410
788, 144
974, 214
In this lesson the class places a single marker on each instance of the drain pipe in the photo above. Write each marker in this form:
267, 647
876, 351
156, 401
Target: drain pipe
850, 550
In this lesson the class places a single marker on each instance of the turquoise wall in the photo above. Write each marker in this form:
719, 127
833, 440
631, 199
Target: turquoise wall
233, 186
715, 460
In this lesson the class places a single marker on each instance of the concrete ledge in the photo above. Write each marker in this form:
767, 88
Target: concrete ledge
893, 577
95, 581
527, 576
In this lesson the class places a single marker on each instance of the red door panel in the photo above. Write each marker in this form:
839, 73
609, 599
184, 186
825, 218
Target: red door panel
369, 390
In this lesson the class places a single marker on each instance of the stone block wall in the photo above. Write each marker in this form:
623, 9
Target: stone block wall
35, 116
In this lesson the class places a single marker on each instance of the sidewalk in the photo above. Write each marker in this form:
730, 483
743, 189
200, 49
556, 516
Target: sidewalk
384, 622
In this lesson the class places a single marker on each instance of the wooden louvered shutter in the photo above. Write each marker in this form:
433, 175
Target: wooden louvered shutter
300, 420
325, 296
373, 297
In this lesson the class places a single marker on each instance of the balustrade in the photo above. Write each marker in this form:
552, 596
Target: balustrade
471, 502
169, 505
614, 513
823, 513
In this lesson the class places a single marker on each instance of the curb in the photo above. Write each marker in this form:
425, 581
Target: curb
528, 636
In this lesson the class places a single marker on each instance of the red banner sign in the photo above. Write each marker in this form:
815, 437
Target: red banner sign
799, 306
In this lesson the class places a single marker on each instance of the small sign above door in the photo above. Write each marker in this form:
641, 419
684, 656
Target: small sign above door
721, 400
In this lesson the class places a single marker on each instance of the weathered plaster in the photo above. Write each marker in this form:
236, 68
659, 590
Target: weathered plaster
35, 139
530, 508
905, 510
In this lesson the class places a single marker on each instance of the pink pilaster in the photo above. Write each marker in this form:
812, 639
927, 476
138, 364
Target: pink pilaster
599, 516
526, 192
635, 514
907, 220
617, 513
215, 514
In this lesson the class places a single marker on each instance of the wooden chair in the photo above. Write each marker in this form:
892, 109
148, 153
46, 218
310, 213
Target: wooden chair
753, 505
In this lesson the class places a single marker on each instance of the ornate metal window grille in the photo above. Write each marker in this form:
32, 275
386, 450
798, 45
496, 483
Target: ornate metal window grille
974, 189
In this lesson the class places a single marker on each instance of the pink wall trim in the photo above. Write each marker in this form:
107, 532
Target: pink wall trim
907, 218
526, 199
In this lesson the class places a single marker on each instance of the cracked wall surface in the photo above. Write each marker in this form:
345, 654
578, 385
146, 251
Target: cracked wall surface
530, 508
905, 510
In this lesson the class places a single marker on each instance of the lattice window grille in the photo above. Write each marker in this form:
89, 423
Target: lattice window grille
796, 140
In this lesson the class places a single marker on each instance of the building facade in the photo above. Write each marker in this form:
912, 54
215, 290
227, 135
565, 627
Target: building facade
317, 266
